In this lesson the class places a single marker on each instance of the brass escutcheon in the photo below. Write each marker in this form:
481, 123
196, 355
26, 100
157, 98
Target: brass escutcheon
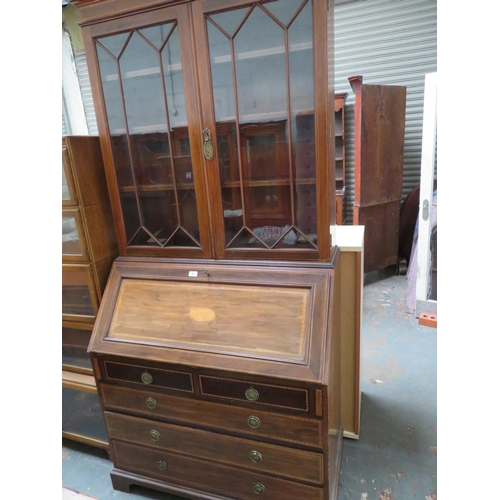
147, 378
151, 403
259, 488
252, 394
208, 149
255, 456
253, 422
154, 435
161, 464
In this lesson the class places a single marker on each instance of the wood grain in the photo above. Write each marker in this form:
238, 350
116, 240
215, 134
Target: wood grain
238, 319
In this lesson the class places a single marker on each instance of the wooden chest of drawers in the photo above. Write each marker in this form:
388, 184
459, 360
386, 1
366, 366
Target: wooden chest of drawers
221, 381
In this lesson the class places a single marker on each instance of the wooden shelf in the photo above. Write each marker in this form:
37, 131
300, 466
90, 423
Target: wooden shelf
79, 381
267, 183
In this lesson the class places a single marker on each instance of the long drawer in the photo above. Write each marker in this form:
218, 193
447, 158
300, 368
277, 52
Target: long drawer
255, 424
254, 455
220, 479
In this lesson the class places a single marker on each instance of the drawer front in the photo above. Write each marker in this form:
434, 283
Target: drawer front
259, 394
255, 424
259, 457
219, 479
147, 376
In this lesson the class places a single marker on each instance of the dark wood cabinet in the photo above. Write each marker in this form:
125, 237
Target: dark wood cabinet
216, 346
89, 247
231, 369
379, 130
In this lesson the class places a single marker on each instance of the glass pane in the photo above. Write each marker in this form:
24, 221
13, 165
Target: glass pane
284, 10
260, 69
222, 73
174, 81
71, 243
74, 348
229, 21
142, 87
300, 38
76, 296
119, 143
82, 414
146, 108
65, 187
115, 43
157, 34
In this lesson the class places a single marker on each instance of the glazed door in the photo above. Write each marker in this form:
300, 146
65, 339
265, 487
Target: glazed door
257, 65
146, 95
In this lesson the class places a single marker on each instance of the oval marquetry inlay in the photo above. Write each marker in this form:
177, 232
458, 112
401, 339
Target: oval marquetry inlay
201, 314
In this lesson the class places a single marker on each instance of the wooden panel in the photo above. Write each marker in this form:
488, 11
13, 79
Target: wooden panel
278, 460
220, 417
88, 169
379, 128
381, 234
228, 481
232, 319
269, 395
69, 195
169, 379
382, 140
100, 230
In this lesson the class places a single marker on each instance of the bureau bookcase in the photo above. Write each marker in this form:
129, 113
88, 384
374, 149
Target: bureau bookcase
216, 347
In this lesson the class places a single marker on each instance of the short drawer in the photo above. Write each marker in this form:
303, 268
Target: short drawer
147, 376
254, 423
259, 394
254, 455
223, 480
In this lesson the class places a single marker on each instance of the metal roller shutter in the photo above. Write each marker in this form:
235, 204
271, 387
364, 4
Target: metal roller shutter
88, 103
388, 42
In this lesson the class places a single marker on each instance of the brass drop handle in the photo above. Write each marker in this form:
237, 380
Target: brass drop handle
151, 403
252, 394
208, 149
255, 456
161, 464
146, 377
253, 422
259, 488
154, 435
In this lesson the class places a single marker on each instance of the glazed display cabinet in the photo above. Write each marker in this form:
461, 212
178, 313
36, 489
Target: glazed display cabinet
214, 126
89, 247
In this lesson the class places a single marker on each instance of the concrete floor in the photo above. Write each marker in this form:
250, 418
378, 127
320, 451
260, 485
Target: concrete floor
396, 455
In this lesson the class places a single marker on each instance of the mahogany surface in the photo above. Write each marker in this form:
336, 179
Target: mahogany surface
276, 393
220, 321
379, 130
